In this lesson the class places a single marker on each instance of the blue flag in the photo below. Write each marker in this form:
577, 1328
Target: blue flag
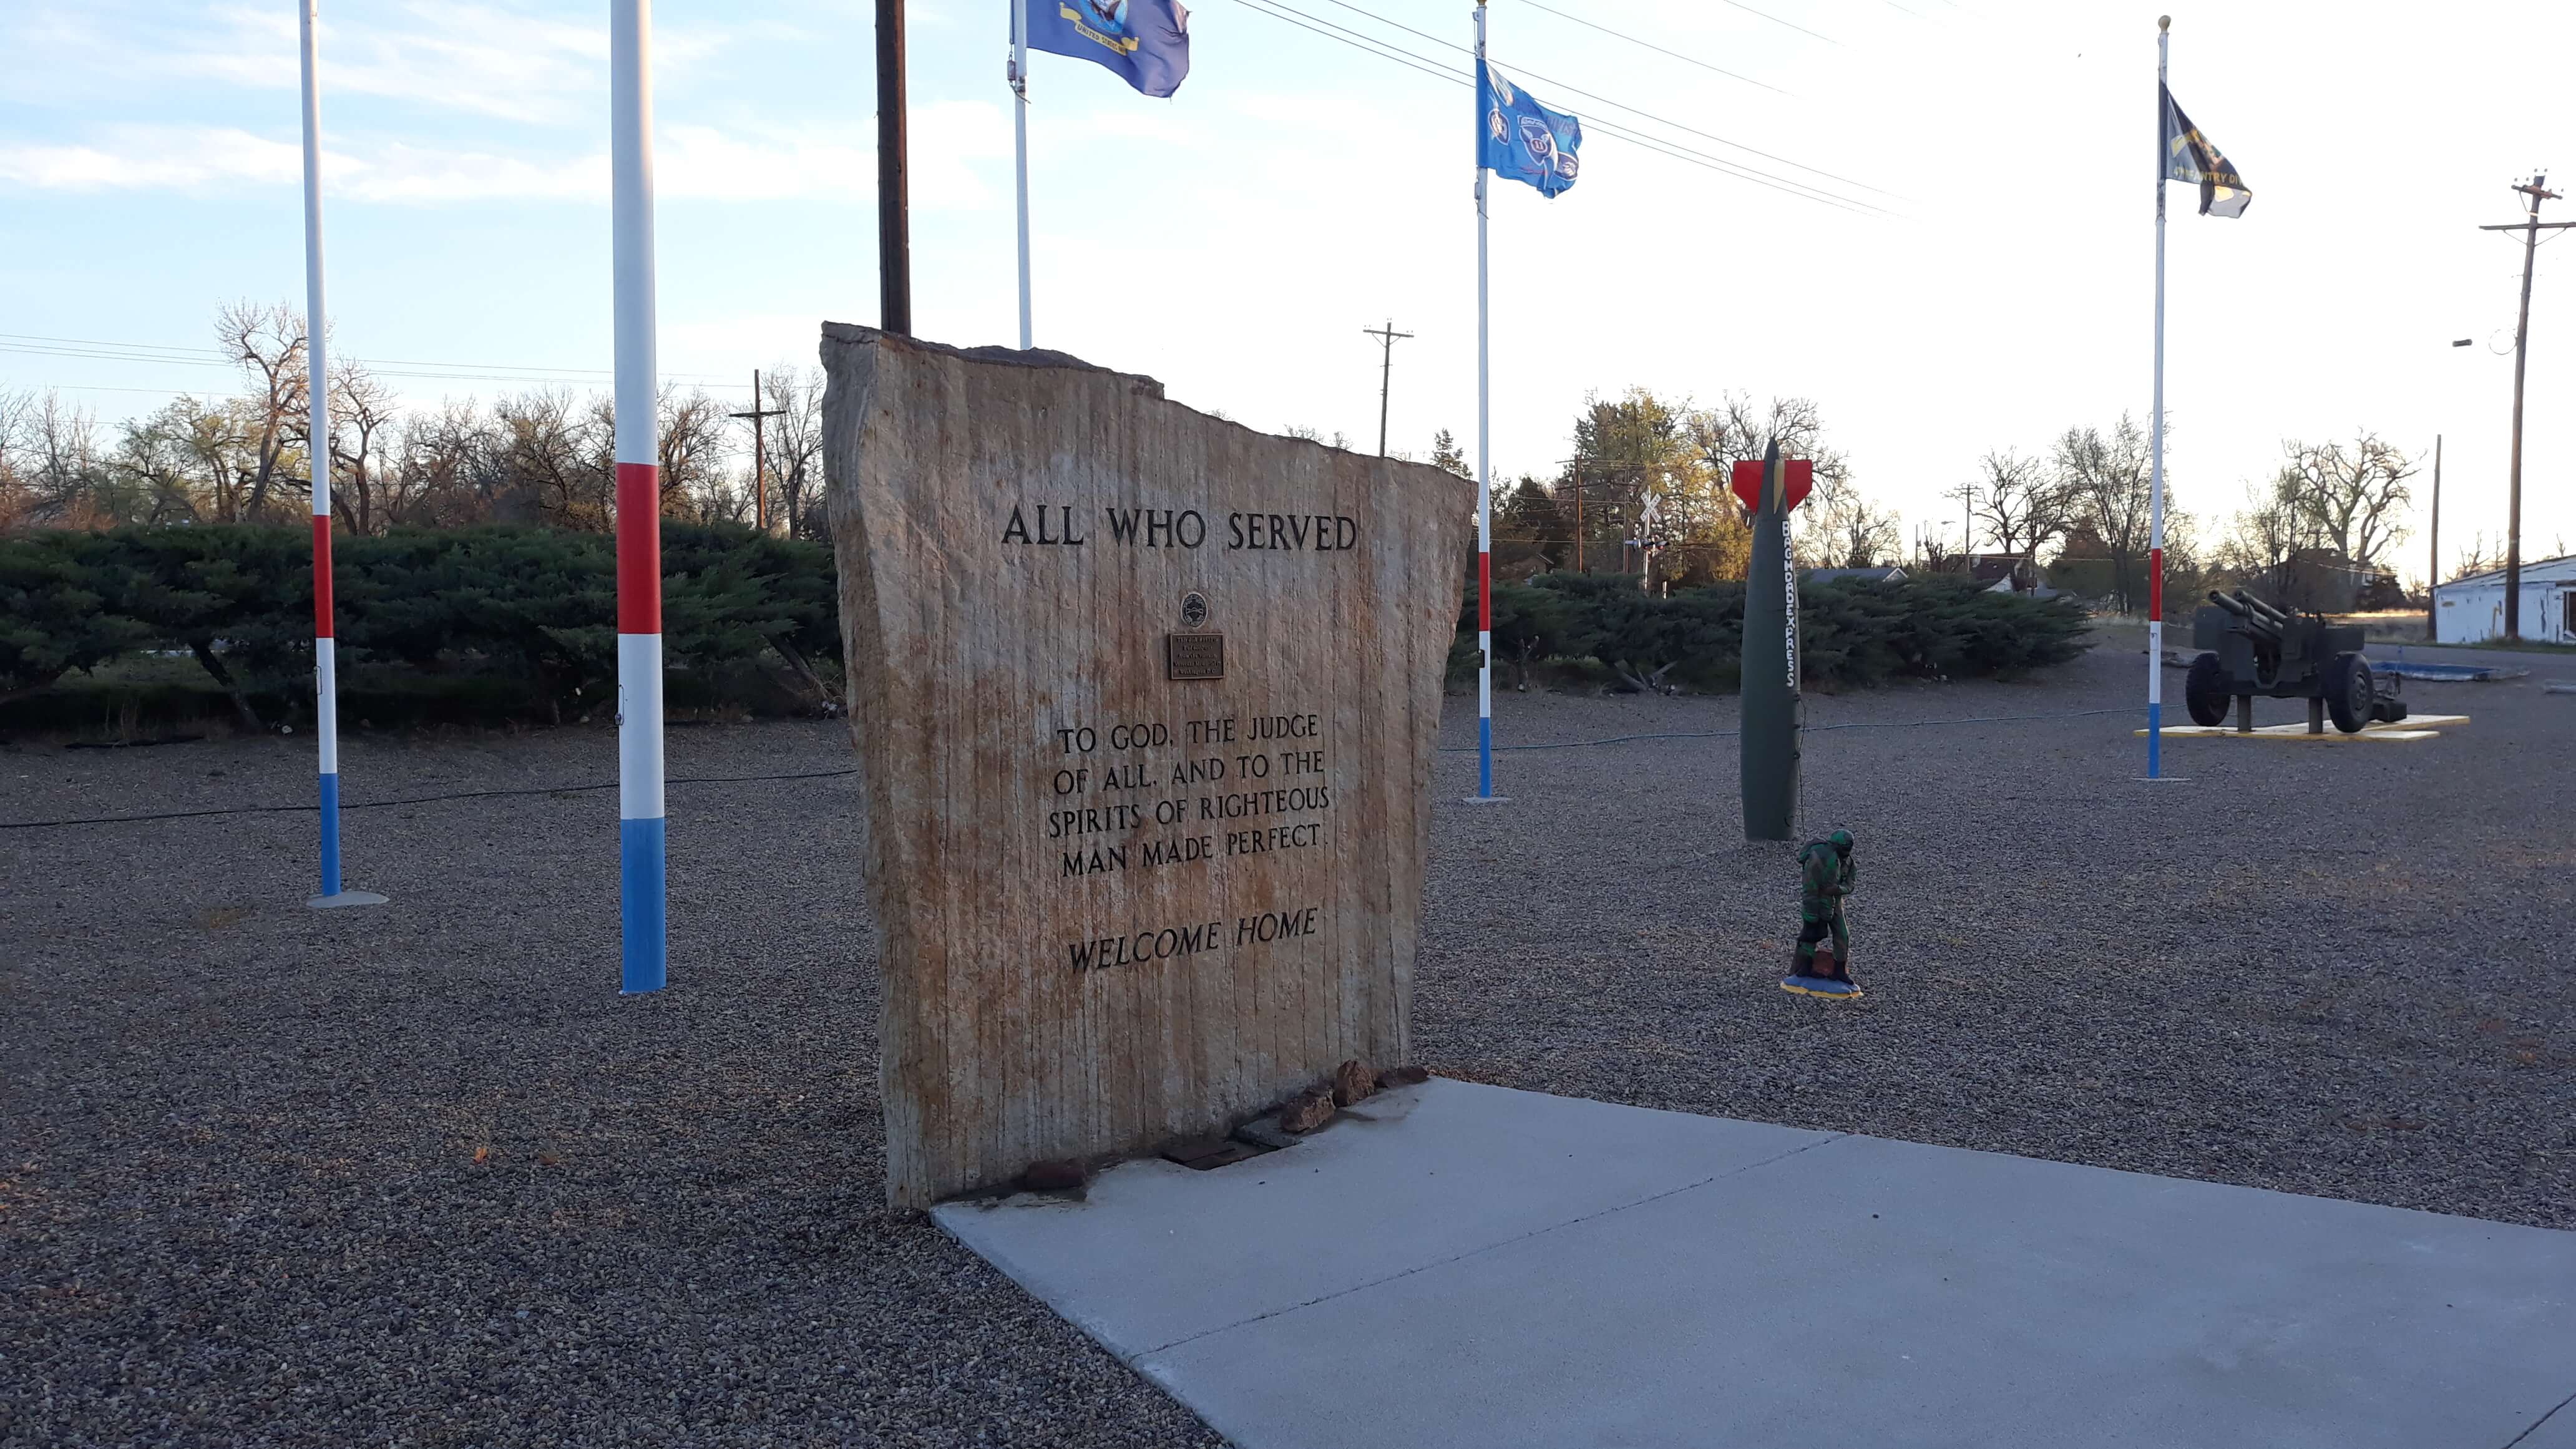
1519, 138
1146, 41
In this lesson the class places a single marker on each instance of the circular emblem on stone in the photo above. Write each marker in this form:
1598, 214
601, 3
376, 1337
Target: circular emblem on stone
1194, 609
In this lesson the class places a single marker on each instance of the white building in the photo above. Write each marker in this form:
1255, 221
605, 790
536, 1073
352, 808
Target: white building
2466, 611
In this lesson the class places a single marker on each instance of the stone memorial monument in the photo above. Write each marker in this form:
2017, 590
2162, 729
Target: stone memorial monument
1144, 704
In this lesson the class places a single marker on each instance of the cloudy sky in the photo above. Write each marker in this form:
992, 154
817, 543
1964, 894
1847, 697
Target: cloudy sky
1971, 268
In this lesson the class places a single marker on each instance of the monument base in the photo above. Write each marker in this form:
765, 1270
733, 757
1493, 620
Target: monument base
345, 898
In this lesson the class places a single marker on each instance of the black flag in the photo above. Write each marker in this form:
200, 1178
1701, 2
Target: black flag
2188, 156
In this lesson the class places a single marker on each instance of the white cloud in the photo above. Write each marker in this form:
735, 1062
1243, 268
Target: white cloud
692, 163
154, 157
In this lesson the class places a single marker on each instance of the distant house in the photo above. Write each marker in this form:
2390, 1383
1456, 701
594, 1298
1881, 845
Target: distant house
2008, 573
2470, 610
1888, 575
2324, 580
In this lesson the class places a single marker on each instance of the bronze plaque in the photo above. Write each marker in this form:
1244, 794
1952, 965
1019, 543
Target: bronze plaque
1195, 656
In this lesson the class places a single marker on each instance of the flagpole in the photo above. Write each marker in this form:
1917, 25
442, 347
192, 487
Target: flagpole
317, 388
1484, 460
641, 826
1020, 125
2156, 446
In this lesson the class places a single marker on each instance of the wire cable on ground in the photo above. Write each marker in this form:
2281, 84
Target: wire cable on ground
413, 800
1906, 724
831, 774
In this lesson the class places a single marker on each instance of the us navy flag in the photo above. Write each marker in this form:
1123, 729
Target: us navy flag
1519, 138
2190, 157
1145, 41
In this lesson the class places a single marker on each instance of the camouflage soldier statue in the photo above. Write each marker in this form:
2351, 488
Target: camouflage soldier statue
1825, 877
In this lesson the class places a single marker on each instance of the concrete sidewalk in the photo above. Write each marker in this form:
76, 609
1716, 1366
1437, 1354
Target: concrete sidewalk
1465, 1265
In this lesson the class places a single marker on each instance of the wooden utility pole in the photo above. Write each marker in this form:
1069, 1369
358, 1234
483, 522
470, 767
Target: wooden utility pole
759, 452
1578, 518
2530, 226
1388, 337
2433, 574
894, 221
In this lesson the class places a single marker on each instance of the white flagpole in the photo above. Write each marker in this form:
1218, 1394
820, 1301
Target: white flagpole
317, 386
2156, 446
1484, 462
642, 827
1020, 124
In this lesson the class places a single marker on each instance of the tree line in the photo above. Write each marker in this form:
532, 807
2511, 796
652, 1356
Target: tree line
541, 456
1645, 491
2331, 507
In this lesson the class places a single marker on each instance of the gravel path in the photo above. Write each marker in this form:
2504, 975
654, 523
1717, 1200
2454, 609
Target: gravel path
417, 1176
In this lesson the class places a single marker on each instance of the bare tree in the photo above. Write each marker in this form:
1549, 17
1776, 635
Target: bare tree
2480, 557
693, 449
65, 465
2108, 481
447, 474
367, 487
2022, 503
558, 454
1843, 529
796, 446
266, 341
2269, 530
158, 467
17, 487
2355, 497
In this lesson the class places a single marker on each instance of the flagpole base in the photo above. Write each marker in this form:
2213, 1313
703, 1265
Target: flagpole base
346, 898
1485, 800
2161, 779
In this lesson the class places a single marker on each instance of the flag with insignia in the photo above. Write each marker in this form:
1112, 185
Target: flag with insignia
2190, 157
1519, 138
1147, 42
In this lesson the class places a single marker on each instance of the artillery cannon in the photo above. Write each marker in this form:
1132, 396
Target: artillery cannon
2250, 648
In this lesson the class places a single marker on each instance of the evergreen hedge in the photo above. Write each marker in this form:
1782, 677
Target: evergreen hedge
1856, 633
535, 606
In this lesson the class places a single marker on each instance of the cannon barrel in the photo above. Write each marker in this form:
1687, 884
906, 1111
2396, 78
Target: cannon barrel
2276, 615
2257, 614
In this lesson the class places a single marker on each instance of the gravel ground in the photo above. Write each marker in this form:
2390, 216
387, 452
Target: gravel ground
416, 1175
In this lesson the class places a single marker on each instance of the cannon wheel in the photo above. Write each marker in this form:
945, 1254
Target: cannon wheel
2204, 691
2349, 692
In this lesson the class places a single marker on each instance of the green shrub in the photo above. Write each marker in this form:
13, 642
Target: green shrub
1855, 633
534, 609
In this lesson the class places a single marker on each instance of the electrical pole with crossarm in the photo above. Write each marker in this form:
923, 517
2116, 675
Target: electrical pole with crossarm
1386, 373
2530, 226
759, 452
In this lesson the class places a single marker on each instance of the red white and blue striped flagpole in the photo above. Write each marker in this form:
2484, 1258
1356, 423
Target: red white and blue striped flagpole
1484, 461
326, 673
2156, 448
640, 831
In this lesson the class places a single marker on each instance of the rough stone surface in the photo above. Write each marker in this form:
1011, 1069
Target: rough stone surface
1352, 1083
1119, 903
1055, 1175
1306, 1112
1191, 1149
1265, 1131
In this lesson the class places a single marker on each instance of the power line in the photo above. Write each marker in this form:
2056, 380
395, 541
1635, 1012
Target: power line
1453, 45
1570, 87
1428, 66
1675, 54
174, 356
